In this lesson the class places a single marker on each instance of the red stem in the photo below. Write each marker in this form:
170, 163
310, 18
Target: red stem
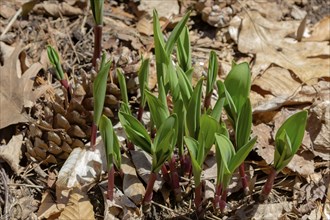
175, 180
244, 179
223, 200
186, 165
268, 185
207, 101
111, 182
93, 136
217, 196
149, 191
129, 145
198, 198
164, 170
97, 44
140, 113
66, 85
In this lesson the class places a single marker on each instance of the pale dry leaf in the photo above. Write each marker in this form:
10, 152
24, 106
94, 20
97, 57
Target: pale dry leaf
164, 8
133, 188
83, 167
48, 206
264, 211
271, 43
16, 90
78, 206
321, 30
209, 190
11, 152
144, 26
142, 162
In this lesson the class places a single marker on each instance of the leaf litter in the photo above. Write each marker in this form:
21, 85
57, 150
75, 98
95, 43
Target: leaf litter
287, 75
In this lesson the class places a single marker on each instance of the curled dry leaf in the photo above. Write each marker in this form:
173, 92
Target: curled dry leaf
78, 207
165, 9
133, 188
16, 89
11, 152
321, 30
57, 10
48, 208
264, 211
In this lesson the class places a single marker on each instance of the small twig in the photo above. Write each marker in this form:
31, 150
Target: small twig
11, 22
171, 210
5, 185
26, 185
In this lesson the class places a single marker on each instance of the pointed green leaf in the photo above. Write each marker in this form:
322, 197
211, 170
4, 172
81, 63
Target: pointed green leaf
171, 123
243, 124
192, 146
294, 126
99, 90
241, 155
176, 33
143, 79
135, 132
123, 87
208, 127
212, 72
225, 150
111, 142
194, 110
55, 61
185, 86
180, 111
158, 111
97, 9
184, 50
238, 84
229, 104
217, 110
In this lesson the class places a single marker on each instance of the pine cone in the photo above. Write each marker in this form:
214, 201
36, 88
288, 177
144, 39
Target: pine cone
63, 125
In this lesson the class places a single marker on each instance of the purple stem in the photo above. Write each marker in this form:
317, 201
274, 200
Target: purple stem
140, 112
244, 179
217, 196
164, 170
149, 191
186, 165
97, 44
207, 101
198, 198
223, 200
111, 182
175, 180
268, 185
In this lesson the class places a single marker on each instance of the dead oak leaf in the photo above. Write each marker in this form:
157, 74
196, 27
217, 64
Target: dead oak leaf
16, 90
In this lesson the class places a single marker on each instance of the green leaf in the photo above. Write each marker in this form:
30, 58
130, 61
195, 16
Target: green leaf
136, 132
123, 87
193, 147
194, 110
225, 150
216, 112
243, 125
186, 88
176, 33
97, 9
111, 142
184, 50
158, 111
180, 111
99, 90
55, 61
294, 126
208, 127
229, 104
238, 84
143, 79
212, 72
241, 155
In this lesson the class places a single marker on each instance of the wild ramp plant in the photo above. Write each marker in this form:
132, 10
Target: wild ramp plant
160, 149
55, 61
236, 90
288, 139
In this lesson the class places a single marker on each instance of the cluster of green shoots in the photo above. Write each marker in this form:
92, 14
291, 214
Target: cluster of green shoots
192, 125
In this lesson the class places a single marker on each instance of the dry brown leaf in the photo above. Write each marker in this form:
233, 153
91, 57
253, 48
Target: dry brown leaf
11, 152
78, 206
144, 26
142, 162
48, 208
57, 10
16, 90
133, 188
321, 30
271, 44
264, 211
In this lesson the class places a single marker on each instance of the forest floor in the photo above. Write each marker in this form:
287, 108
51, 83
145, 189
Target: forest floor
286, 44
